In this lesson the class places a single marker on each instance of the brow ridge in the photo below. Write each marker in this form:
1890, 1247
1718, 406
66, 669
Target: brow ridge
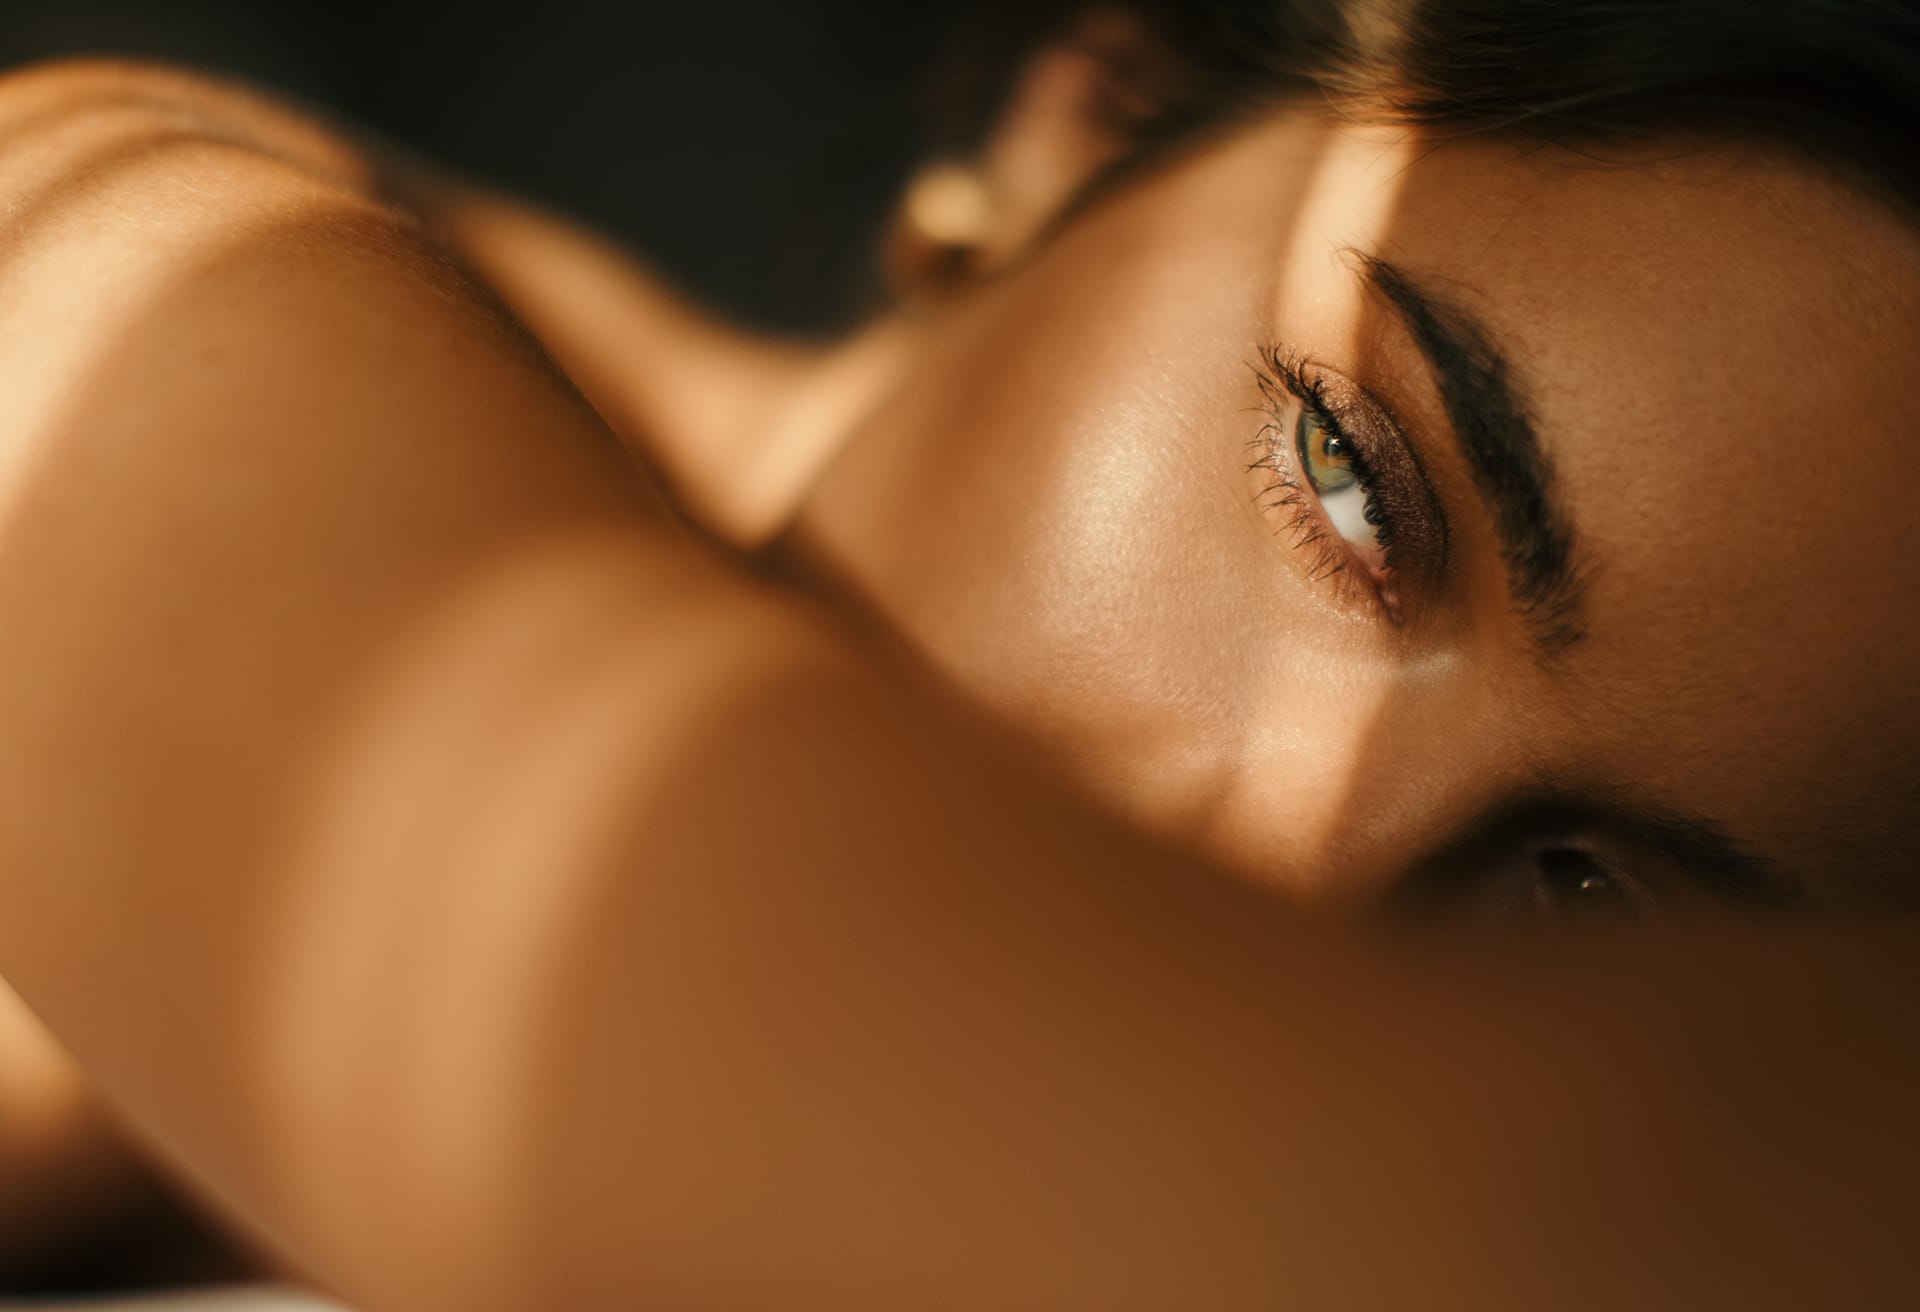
1486, 407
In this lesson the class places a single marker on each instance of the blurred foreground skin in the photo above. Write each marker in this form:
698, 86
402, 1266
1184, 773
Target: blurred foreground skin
79, 1205
490, 894
60, 1171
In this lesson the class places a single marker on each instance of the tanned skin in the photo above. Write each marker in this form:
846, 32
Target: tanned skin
484, 890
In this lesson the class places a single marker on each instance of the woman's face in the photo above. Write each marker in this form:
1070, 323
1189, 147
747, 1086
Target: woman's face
1330, 501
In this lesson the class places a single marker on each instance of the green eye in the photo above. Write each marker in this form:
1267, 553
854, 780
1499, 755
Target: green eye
1332, 468
1324, 455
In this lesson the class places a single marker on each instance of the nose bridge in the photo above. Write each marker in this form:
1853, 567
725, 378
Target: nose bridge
1346, 805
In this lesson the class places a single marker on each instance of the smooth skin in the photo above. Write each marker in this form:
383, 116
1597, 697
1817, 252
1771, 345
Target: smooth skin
683, 905
1053, 507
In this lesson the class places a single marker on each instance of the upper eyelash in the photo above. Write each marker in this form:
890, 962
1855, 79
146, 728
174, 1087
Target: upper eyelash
1283, 373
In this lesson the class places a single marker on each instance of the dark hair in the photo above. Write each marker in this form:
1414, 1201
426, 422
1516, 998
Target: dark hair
1836, 80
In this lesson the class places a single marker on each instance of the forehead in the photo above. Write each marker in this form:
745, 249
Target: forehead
1714, 343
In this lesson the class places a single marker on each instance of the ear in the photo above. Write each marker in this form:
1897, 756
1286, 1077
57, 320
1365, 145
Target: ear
1074, 108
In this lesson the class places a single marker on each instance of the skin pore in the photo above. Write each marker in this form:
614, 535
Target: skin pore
1054, 508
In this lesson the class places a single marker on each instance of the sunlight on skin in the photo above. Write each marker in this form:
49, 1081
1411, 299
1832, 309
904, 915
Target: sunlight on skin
1070, 613
92, 478
999, 1037
1353, 191
1048, 509
491, 719
796, 439
60, 353
524, 715
129, 146
131, 267
73, 172
74, 95
737, 423
685, 392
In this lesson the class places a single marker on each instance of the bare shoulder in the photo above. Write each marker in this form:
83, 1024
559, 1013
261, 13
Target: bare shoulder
192, 257
55, 114
126, 187
254, 419
254, 423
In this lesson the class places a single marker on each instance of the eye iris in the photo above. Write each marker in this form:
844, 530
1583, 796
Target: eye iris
1327, 458
1325, 454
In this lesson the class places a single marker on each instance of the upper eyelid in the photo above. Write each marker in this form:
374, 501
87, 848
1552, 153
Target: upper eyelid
1352, 411
1353, 406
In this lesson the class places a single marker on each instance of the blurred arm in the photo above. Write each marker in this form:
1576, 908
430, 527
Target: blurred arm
498, 902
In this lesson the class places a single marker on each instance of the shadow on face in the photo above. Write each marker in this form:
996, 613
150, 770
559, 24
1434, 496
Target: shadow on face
1374, 514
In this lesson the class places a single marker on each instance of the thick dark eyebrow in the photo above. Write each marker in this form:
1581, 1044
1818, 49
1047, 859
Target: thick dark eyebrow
1714, 859
1486, 408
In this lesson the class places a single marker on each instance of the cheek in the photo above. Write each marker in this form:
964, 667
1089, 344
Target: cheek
1054, 511
1046, 529
1068, 536
1049, 508
1051, 511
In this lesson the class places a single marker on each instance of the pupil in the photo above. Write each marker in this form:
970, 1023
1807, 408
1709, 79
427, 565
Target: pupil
1574, 883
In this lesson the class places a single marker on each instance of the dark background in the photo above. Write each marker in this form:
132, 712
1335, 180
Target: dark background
750, 147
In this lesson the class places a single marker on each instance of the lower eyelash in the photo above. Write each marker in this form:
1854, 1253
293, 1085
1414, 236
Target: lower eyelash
1308, 529
1288, 383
